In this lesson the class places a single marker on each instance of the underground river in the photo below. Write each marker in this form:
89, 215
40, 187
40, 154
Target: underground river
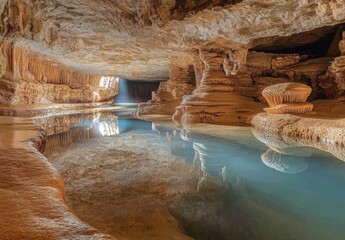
135, 179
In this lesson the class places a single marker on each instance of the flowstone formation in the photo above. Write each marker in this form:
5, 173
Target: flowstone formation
33, 78
288, 98
214, 101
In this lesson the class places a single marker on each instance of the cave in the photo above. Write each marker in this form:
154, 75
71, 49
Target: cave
134, 92
186, 119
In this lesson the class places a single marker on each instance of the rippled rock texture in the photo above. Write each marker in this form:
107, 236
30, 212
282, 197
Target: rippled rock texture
32, 201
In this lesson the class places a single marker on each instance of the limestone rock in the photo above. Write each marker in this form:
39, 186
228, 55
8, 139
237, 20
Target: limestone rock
288, 98
214, 100
32, 202
338, 66
139, 39
294, 108
32, 78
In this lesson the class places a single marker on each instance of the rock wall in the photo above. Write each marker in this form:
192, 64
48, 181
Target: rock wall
32, 78
338, 66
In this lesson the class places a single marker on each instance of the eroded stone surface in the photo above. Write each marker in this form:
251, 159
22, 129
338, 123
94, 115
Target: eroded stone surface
34, 78
32, 192
288, 98
214, 100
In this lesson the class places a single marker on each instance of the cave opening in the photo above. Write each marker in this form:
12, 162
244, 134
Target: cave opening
321, 42
132, 92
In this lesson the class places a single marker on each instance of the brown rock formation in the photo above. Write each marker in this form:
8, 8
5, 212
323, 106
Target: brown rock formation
285, 142
338, 66
288, 98
32, 78
139, 39
318, 130
214, 101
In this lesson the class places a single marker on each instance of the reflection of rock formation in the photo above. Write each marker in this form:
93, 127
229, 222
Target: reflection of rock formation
304, 132
180, 149
284, 163
213, 162
252, 198
282, 156
64, 130
121, 185
32, 78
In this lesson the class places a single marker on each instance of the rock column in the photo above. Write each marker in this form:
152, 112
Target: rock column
214, 101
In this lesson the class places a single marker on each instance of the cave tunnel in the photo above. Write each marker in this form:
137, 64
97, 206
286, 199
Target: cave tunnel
133, 92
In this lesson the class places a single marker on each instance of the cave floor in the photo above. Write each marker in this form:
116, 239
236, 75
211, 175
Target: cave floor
165, 178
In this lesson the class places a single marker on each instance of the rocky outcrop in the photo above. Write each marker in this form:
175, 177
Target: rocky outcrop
214, 100
288, 98
324, 130
288, 145
338, 66
169, 94
32, 78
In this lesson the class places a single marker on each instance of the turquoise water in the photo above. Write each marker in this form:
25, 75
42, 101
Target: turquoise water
246, 188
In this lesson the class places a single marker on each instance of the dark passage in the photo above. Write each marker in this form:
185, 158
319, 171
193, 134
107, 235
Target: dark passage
135, 91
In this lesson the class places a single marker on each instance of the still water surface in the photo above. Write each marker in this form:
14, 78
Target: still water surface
141, 180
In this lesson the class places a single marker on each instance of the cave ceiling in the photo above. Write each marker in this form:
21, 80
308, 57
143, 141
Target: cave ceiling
139, 39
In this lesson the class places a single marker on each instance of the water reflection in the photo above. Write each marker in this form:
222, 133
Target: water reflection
235, 187
284, 163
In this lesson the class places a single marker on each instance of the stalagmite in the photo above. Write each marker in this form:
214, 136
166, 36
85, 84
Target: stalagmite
288, 98
214, 100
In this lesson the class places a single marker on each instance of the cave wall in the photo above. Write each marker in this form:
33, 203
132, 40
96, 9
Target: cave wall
33, 78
